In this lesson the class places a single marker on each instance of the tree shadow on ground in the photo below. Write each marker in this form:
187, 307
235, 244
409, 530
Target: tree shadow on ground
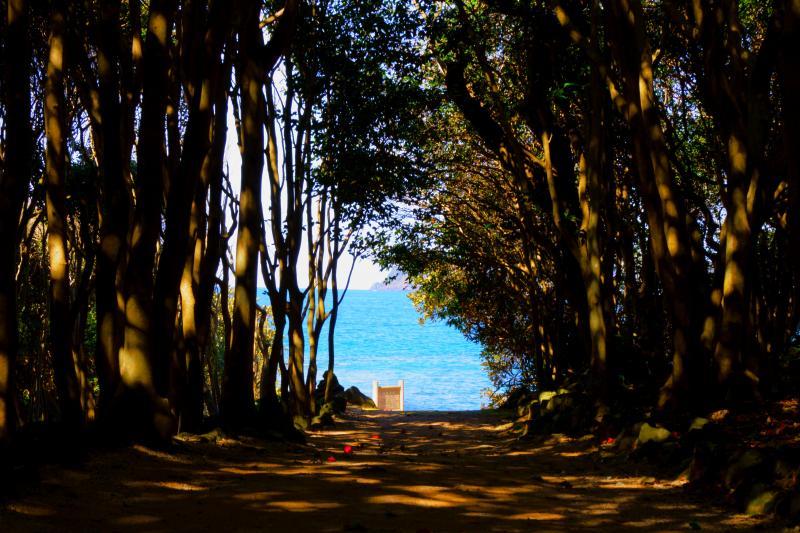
417, 472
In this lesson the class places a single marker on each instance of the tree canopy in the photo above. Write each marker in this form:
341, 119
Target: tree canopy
600, 193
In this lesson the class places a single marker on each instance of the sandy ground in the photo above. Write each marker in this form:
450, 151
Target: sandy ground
418, 472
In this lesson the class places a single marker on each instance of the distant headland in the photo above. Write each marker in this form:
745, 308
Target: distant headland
395, 281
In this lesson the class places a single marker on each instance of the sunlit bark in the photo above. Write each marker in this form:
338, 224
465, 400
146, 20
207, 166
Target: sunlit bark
142, 386
114, 208
204, 35
670, 237
237, 393
64, 369
274, 272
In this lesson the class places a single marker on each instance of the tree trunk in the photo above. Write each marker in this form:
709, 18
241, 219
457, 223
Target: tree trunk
212, 175
13, 188
79, 315
334, 315
331, 344
789, 76
237, 393
114, 208
64, 370
183, 216
300, 401
670, 239
143, 387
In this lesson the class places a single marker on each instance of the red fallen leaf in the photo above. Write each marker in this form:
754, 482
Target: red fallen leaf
331, 459
348, 448
375, 437
609, 440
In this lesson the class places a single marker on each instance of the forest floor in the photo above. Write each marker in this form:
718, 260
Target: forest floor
417, 472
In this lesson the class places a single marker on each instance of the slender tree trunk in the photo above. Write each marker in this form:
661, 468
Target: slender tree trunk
79, 315
138, 355
334, 313
114, 209
142, 386
269, 398
212, 175
189, 406
332, 347
130, 67
732, 340
13, 188
625, 242
275, 276
65, 372
300, 400
314, 283
237, 393
183, 217
671, 244
789, 76
592, 165
318, 290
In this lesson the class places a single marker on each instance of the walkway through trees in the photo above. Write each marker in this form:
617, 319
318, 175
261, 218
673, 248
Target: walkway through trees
455, 471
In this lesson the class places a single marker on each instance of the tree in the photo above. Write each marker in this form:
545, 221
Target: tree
66, 373
256, 61
14, 180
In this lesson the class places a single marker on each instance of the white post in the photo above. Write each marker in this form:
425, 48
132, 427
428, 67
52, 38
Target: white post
402, 395
375, 393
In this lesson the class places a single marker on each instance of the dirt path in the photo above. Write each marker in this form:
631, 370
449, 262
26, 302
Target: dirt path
421, 472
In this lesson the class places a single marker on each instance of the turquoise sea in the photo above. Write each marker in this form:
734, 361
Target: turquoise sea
379, 337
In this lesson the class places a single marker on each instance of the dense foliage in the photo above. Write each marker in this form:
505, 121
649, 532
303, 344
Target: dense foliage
615, 196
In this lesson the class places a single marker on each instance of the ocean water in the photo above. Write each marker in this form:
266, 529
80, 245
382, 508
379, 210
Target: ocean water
379, 337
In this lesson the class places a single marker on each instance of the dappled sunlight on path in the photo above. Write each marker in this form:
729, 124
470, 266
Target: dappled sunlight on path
460, 471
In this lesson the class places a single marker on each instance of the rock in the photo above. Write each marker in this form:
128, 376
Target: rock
516, 398
545, 396
335, 407
528, 410
358, 399
561, 403
750, 465
568, 412
301, 422
705, 464
319, 393
761, 501
322, 420
325, 416
648, 433
626, 439
719, 416
338, 405
698, 424
215, 435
